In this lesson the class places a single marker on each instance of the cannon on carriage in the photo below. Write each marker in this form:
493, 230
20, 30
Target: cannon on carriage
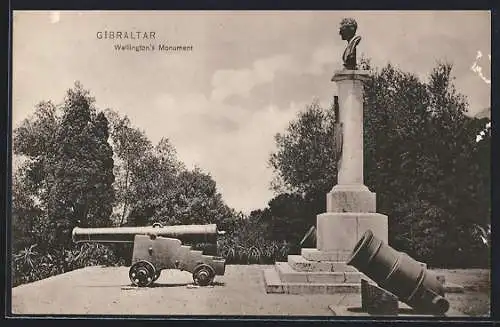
160, 247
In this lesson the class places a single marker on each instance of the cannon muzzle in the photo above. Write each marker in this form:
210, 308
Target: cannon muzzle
399, 274
185, 233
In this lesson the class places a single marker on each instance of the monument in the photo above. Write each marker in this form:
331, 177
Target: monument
351, 206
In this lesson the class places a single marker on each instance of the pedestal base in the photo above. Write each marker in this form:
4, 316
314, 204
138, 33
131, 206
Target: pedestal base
301, 276
338, 233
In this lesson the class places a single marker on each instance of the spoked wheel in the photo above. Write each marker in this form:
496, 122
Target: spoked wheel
142, 273
203, 275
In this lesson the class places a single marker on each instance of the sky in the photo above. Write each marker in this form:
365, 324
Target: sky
247, 76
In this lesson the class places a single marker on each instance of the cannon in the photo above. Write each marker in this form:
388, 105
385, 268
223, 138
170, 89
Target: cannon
399, 274
160, 247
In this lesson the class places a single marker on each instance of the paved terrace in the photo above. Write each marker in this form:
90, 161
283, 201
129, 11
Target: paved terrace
107, 290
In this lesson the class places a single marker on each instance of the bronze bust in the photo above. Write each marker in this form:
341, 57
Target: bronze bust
348, 27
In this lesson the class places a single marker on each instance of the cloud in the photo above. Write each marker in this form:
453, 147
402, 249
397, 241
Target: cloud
237, 157
233, 141
228, 82
321, 57
240, 82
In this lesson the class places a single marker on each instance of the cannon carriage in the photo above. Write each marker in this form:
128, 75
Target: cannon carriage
160, 247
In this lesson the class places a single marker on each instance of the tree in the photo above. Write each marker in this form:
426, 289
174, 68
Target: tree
83, 166
34, 141
290, 217
130, 147
306, 161
26, 216
190, 197
101, 194
68, 167
153, 185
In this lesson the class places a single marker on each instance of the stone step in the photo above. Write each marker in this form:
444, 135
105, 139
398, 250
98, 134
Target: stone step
316, 255
300, 263
273, 285
272, 281
313, 254
308, 288
289, 275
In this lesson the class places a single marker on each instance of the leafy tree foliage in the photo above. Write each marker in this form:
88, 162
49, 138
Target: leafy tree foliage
65, 178
300, 163
26, 223
83, 167
305, 167
130, 147
154, 186
67, 172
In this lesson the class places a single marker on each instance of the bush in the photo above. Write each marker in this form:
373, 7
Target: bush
246, 243
260, 251
29, 265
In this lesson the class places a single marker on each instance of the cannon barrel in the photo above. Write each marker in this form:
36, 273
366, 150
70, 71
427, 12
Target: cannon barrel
399, 274
185, 233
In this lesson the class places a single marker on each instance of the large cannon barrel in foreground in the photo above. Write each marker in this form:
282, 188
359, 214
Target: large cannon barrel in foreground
185, 233
399, 274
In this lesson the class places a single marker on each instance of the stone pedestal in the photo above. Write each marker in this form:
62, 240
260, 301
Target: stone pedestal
351, 198
338, 232
350, 205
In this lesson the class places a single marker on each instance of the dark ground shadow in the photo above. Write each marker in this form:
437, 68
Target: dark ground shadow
166, 285
184, 284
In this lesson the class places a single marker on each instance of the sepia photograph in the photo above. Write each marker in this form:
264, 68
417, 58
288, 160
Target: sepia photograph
251, 163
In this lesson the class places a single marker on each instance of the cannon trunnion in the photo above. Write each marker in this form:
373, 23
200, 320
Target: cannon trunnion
157, 248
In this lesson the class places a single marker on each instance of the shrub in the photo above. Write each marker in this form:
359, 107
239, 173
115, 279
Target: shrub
260, 251
29, 265
246, 243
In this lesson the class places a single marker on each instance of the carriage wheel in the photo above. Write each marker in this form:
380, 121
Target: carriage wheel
203, 275
142, 273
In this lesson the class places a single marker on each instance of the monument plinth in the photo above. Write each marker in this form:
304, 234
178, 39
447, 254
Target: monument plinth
350, 194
